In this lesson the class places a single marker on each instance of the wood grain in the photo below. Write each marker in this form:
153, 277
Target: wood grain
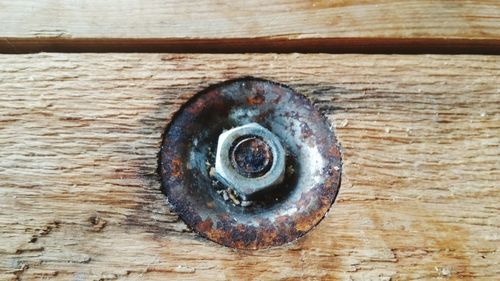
301, 25
80, 198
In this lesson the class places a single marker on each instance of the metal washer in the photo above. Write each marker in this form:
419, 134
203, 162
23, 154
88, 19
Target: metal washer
312, 178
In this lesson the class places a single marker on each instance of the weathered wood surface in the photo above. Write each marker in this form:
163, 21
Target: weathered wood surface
80, 198
113, 24
251, 19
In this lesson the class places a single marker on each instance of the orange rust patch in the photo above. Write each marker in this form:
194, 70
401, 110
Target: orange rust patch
256, 100
176, 167
205, 225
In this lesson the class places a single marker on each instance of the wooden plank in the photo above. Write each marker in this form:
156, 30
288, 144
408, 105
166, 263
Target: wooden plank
251, 19
177, 25
79, 136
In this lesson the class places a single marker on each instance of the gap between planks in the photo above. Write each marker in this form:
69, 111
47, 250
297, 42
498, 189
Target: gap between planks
253, 45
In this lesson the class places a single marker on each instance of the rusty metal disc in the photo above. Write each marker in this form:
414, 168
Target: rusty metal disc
276, 216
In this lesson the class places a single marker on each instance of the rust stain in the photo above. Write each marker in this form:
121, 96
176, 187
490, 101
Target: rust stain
176, 167
256, 100
205, 226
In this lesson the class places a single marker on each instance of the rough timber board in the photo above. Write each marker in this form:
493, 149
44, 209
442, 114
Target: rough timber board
33, 25
80, 199
250, 19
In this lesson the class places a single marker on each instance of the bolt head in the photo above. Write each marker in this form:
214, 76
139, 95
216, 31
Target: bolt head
249, 159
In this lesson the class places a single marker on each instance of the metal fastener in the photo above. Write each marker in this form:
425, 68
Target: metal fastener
260, 125
250, 159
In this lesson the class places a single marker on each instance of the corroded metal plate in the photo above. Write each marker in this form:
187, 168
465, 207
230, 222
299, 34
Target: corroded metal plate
279, 216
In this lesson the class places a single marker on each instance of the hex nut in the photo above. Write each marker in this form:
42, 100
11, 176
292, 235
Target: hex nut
247, 186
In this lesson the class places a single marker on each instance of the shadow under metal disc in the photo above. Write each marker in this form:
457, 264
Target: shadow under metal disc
277, 216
